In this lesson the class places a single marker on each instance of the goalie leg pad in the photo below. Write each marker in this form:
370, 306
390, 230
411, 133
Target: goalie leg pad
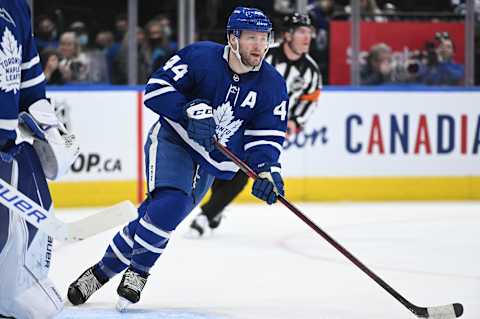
25, 253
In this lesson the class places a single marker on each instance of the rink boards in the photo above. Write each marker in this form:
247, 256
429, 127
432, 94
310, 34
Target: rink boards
359, 144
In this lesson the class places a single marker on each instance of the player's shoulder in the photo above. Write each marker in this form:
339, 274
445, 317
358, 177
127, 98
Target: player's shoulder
16, 8
311, 62
269, 73
274, 48
272, 84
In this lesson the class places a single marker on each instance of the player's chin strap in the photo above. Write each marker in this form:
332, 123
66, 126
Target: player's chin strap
244, 67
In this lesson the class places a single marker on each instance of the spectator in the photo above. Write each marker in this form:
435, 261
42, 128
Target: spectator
370, 11
120, 67
81, 32
121, 27
160, 45
378, 69
74, 64
322, 12
51, 69
46, 34
442, 69
104, 41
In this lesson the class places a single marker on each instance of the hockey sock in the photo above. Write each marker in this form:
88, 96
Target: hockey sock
119, 252
167, 208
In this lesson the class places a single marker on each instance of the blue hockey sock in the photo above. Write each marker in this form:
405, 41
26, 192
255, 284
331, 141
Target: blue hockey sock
119, 252
166, 209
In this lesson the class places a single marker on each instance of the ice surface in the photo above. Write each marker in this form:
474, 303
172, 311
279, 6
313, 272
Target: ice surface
263, 262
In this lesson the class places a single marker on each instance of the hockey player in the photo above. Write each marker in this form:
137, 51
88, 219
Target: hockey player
203, 92
304, 82
25, 253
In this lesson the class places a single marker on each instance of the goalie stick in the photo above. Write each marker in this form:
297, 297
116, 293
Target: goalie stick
449, 311
47, 222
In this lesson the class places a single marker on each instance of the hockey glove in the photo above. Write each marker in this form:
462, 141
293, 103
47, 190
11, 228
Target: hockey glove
269, 183
200, 123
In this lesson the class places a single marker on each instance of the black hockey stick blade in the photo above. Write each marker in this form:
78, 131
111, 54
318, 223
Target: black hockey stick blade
450, 311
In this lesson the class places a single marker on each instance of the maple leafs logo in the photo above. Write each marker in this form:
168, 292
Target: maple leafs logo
10, 61
226, 126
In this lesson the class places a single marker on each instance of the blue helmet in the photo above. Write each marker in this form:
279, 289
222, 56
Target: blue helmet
250, 19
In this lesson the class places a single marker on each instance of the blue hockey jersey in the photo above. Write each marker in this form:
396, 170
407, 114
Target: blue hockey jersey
250, 109
21, 76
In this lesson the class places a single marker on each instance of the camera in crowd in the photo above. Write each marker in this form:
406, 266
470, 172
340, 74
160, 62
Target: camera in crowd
428, 56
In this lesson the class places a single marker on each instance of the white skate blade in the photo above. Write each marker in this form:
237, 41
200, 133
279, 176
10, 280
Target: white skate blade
122, 304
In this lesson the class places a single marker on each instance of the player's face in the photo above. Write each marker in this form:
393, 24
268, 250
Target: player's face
252, 47
300, 39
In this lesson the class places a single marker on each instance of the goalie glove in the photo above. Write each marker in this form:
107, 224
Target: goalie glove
269, 183
56, 148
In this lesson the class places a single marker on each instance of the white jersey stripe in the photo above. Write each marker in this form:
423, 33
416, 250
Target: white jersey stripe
119, 255
150, 247
158, 81
258, 143
152, 157
32, 82
8, 124
223, 166
158, 92
264, 133
31, 63
154, 229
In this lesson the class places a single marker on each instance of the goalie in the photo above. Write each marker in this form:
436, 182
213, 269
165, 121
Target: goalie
33, 146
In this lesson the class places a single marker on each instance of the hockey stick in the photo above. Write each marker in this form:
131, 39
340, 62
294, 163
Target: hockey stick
449, 311
47, 222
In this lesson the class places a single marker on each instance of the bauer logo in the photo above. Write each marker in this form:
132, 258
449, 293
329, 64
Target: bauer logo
9, 199
439, 134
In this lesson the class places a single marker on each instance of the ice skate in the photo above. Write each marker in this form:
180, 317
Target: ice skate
82, 288
130, 289
202, 226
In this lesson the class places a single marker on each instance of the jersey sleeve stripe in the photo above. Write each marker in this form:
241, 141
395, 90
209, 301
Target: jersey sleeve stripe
8, 124
158, 81
32, 82
258, 143
158, 92
264, 133
31, 63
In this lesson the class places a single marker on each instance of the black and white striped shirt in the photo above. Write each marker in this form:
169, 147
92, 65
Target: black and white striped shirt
304, 82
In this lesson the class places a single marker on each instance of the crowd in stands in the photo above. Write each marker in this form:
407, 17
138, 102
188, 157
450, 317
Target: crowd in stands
72, 57
75, 55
